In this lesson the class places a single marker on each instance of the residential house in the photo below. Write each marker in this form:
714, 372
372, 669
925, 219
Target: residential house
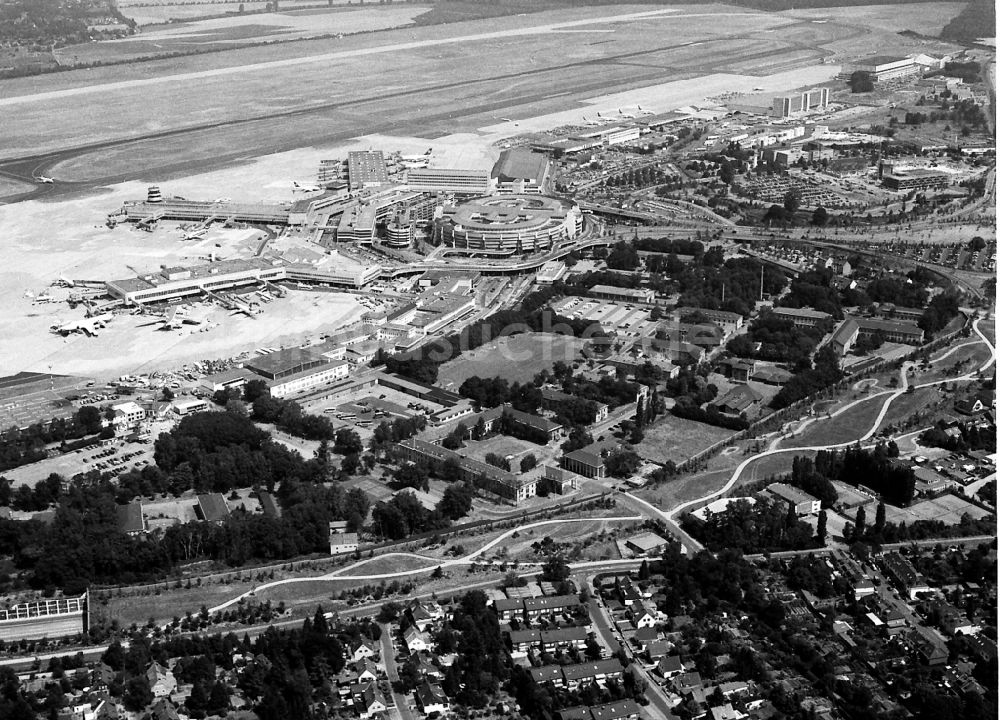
670, 667
368, 700
739, 400
161, 681
415, 640
564, 639
362, 649
523, 641
431, 698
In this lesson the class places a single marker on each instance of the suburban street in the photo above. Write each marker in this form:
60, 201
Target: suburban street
389, 658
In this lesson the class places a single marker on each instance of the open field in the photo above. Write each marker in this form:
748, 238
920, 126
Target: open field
947, 508
514, 358
841, 428
677, 439
502, 445
909, 404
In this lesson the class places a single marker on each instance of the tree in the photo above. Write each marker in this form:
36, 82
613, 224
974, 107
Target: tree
879, 518
528, 462
644, 570
555, 569
821, 526
622, 462
861, 82
456, 501
791, 202
137, 694
347, 442
859, 522
820, 216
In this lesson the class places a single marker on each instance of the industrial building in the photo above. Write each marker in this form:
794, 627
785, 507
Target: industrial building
881, 68
294, 371
511, 224
450, 180
49, 618
519, 170
799, 103
584, 463
154, 210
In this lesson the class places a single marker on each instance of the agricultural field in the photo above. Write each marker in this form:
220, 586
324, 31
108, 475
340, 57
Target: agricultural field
677, 439
514, 358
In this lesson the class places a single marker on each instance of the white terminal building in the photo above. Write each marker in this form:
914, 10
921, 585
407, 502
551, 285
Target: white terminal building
511, 223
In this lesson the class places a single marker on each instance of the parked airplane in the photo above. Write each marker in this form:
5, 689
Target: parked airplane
589, 122
88, 326
625, 114
195, 234
298, 187
223, 200
63, 282
45, 180
171, 321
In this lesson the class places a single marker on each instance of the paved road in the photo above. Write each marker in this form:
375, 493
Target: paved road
389, 658
612, 639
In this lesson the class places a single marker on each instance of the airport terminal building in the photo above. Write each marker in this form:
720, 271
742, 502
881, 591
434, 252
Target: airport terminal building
511, 223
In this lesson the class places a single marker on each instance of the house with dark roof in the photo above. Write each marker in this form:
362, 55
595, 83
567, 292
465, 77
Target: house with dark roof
212, 507
739, 400
131, 520
431, 698
584, 463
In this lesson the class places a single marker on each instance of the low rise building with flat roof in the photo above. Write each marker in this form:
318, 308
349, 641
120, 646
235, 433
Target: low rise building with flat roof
802, 317
799, 500
636, 295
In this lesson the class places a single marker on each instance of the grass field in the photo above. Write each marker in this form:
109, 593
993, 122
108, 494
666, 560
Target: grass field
909, 404
677, 439
514, 358
845, 427
503, 446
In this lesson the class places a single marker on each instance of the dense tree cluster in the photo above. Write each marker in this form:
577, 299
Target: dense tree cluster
813, 290
805, 477
779, 340
709, 415
287, 415
701, 285
824, 373
874, 469
939, 313
761, 527
480, 665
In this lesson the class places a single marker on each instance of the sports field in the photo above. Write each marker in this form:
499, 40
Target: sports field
514, 358
947, 508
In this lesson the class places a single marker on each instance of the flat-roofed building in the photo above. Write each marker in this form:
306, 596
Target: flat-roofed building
450, 180
799, 500
916, 179
127, 415
510, 224
551, 272
800, 103
646, 543
730, 322
366, 169
233, 378
802, 317
636, 295
520, 170
178, 282
881, 68
284, 363
311, 379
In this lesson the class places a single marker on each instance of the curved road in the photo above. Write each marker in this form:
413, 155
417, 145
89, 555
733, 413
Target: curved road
673, 513
435, 562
